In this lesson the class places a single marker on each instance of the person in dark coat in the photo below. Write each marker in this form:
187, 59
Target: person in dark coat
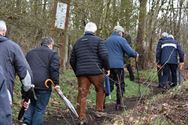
117, 48
164, 36
5, 107
167, 54
12, 61
44, 63
88, 59
127, 36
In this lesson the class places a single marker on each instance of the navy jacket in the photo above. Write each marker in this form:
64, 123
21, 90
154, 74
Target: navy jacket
168, 50
44, 64
117, 48
5, 107
89, 55
13, 61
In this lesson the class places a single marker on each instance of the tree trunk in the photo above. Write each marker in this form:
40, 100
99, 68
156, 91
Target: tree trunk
141, 33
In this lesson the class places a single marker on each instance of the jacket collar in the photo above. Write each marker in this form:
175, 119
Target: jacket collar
89, 33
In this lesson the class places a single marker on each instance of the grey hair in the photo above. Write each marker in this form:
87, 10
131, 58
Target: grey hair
3, 26
46, 41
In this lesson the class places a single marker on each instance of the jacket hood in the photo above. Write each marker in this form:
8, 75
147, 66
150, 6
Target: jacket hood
2, 38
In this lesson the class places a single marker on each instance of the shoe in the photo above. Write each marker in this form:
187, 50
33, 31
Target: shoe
99, 114
120, 107
82, 122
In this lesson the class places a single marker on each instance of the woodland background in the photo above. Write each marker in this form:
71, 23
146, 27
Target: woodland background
29, 20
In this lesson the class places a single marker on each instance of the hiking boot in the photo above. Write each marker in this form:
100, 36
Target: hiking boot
82, 122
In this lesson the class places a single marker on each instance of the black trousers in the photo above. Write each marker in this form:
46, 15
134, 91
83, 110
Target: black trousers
131, 74
169, 75
117, 78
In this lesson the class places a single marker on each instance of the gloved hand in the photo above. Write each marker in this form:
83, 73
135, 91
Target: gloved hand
29, 94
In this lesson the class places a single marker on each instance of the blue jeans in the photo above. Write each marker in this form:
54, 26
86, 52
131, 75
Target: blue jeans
34, 114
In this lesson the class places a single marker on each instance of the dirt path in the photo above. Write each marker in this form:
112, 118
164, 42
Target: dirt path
66, 118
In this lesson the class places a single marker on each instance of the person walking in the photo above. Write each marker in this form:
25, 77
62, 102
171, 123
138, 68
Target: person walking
88, 59
164, 36
12, 61
127, 36
167, 54
117, 47
44, 63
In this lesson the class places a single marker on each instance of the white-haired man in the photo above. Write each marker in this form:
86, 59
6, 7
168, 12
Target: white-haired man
12, 61
167, 54
89, 56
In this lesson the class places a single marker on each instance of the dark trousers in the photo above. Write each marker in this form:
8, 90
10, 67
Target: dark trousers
159, 74
35, 113
169, 72
117, 78
131, 74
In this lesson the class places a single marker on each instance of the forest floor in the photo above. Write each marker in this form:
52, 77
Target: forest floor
167, 107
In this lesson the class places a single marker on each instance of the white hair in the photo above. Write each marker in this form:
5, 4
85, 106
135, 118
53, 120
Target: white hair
171, 36
3, 26
90, 27
164, 34
119, 28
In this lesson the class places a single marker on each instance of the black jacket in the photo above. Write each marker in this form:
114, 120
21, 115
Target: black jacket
44, 64
89, 55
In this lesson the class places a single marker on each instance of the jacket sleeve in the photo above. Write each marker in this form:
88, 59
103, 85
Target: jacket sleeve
54, 68
181, 53
103, 54
158, 52
73, 59
22, 68
127, 48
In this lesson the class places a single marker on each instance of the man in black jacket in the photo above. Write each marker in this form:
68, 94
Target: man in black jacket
44, 63
89, 57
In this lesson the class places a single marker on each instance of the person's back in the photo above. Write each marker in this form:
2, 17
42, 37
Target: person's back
39, 61
89, 53
44, 64
170, 50
5, 107
117, 47
12, 61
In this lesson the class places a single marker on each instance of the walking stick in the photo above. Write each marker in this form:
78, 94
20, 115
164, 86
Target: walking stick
138, 77
61, 95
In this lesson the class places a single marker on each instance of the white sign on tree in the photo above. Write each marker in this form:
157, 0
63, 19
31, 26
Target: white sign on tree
60, 15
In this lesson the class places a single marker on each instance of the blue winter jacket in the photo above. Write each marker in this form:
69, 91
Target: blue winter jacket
13, 62
168, 50
117, 48
5, 107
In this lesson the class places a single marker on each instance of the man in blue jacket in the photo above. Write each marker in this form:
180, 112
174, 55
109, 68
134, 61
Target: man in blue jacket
117, 48
167, 54
44, 63
12, 61
5, 107
88, 59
